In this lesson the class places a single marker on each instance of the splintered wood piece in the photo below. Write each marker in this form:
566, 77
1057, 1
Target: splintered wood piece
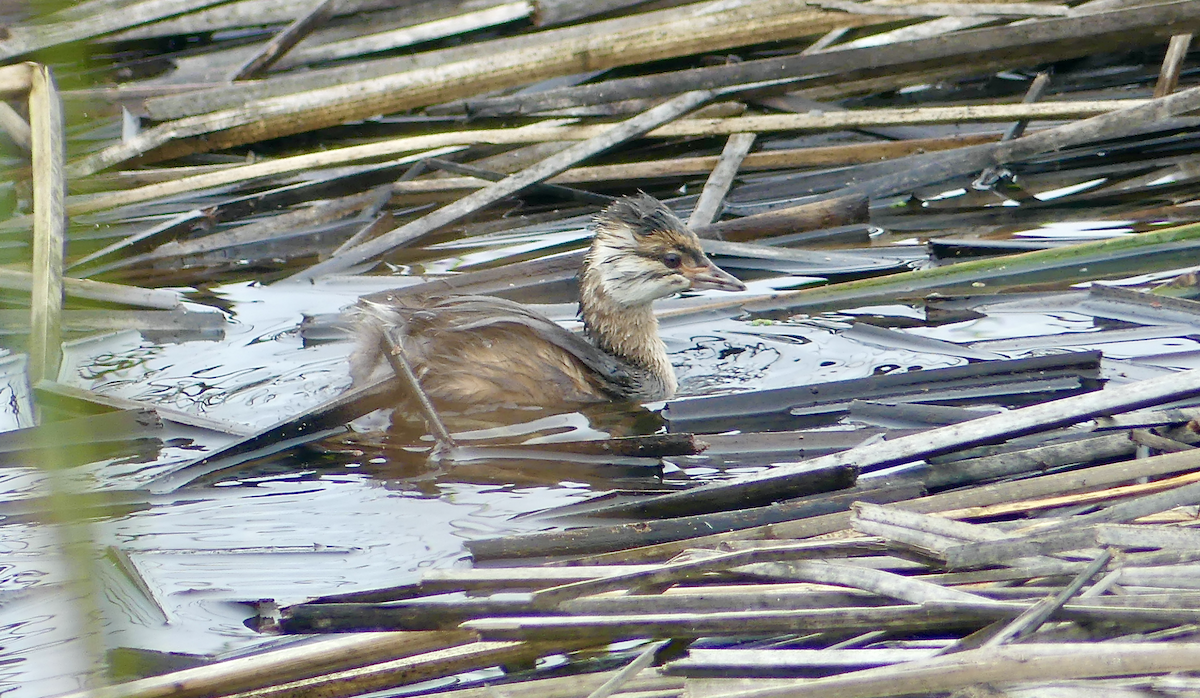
1181, 492
1009, 508
15, 126
1168, 77
708, 208
868, 516
293, 34
1135, 536
738, 596
410, 232
49, 224
1172, 576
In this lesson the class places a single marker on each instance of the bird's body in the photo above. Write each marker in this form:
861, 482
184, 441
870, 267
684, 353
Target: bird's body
469, 351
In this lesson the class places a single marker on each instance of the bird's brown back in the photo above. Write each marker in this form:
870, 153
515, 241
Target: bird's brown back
476, 351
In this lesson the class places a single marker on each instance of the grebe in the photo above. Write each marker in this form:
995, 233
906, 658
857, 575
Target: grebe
470, 351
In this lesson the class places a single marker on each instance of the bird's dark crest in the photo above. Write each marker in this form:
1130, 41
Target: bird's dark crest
645, 215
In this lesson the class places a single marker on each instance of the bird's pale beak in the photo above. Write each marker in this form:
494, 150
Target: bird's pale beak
713, 276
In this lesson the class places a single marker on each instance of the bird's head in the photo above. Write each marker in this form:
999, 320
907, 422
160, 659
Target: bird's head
641, 252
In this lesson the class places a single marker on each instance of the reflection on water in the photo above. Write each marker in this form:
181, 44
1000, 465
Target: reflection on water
353, 514
281, 538
735, 356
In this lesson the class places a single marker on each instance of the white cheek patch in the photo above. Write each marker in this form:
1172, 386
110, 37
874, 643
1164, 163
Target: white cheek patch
632, 280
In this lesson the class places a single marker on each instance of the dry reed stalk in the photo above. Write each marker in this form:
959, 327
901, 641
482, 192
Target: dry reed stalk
24, 39
708, 208
950, 9
170, 107
415, 34
1104, 495
15, 80
154, 299
275, 117
47, 140
680, 128
410, 670
287, 664
1168, 77
1006, 664
293, 34
415, 230
237, 14
15, 126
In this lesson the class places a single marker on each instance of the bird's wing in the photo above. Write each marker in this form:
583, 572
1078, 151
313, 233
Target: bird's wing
467, 313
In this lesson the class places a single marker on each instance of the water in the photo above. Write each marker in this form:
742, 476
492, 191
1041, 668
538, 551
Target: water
302, 532
177, 572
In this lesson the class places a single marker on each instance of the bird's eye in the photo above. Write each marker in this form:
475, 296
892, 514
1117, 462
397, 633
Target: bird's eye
672, 260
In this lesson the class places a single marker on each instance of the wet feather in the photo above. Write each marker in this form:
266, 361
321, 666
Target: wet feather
486, 351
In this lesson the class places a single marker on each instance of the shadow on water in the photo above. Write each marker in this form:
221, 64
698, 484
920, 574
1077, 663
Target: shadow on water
368, 508
182, 568
358, 511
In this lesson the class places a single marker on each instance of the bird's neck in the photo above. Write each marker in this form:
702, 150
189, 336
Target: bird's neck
628, 332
